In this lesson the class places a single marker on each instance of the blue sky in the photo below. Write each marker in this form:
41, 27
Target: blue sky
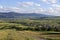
51, 7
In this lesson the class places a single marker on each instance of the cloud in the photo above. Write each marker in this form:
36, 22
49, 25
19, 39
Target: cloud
50, 10
50, 1
39, 10
53, 1
55, 5
10, 9
56, 8
28, 4
1, 7
45, 1
15, 9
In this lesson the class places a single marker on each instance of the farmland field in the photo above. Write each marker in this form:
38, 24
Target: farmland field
29, 30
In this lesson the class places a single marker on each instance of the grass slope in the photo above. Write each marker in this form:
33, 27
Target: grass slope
26, 35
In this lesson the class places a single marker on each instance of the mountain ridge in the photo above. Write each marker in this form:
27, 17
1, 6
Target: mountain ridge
22, 15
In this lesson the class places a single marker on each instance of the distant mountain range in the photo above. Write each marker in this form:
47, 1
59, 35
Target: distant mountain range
25, 15
18, 15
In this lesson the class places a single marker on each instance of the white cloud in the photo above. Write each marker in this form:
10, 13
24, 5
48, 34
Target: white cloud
10, 9
46, 1
39, 10
51, 10
25, 4
53, 1
1, 7
14, 9
50, 1
28, 4
55, 5
37, 4
56, 8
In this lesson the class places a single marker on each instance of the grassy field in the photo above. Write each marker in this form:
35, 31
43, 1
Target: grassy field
27, 35
18, 35
29, 30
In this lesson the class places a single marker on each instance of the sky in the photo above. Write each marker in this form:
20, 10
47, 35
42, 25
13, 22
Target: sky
50, 7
